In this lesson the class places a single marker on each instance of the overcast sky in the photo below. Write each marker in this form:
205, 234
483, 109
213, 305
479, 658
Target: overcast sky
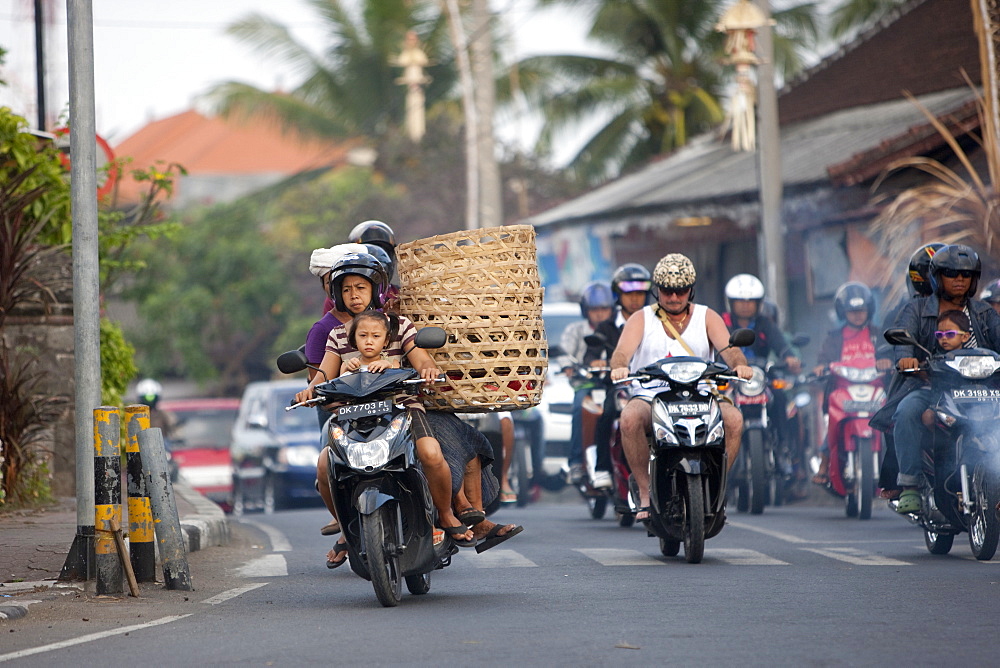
152, 59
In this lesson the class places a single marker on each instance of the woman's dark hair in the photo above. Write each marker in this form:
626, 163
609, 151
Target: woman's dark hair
389, 320
958, 317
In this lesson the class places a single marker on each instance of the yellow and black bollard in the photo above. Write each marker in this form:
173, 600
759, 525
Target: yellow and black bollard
107, 499
142, 552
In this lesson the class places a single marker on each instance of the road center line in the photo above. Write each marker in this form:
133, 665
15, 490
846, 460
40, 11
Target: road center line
88, 638
278, 541
232, 593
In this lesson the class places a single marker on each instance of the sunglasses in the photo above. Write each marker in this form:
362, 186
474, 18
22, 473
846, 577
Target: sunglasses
955, 273
675, 291
947, 334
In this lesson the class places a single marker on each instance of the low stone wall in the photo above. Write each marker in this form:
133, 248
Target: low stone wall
48, 339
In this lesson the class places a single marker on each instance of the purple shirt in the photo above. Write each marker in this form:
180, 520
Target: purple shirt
316, 338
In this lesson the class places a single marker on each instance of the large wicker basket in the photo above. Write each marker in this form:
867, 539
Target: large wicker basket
482, 287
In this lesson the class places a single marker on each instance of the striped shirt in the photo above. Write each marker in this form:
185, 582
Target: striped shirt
395, 351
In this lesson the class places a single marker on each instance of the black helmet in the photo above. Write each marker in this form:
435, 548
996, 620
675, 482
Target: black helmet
596, 295
631, 277
388, 261
920, 263
358, 264
853, 296
374, 232
991, 293
955, 257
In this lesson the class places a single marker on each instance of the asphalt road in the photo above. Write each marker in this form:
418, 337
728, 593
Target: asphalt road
797, 585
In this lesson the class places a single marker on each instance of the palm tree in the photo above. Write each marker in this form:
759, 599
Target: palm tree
848, 16
349, 89
661, 85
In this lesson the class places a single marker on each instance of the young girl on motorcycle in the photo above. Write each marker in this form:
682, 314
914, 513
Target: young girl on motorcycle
355, 281
951, 334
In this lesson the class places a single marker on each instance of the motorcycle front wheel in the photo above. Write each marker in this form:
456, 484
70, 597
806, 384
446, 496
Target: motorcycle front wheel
758, 471
379, 532
694, 522
598, 506
984, 527
865, 478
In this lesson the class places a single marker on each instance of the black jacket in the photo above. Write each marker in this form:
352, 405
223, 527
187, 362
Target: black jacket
611, 332
770, 338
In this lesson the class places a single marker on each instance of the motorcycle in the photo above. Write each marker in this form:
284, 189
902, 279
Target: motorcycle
763, 468
687, 463
855, 448
961, 490
379, 491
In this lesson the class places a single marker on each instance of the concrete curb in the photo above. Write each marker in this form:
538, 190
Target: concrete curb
207, 525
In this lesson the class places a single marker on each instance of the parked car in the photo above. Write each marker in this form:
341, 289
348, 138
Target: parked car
198, 444
274, 451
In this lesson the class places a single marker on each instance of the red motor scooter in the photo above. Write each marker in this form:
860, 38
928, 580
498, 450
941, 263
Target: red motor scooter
855, 448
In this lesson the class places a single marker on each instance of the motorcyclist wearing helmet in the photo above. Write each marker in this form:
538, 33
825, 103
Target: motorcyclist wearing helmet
150, 391
596, 302
646, 339
356, 283
991, 295
631, 285
954, 275
856, 342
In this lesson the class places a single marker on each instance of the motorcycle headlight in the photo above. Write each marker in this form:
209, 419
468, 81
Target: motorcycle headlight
974, 366
856, 375
755, 385
662, 424
300, 455
684, 372
367, 455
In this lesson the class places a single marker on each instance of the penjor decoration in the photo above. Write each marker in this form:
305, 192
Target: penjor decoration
741, 23
413, 60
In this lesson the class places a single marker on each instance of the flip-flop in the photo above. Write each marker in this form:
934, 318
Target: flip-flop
508, 497
458, 531
471, 517
494, 537
337, 549
645, 509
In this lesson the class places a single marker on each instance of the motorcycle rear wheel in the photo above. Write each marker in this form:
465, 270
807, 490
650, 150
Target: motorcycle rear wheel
694, 521
758, 471
418, 584
938, 543
379, 532
984, 529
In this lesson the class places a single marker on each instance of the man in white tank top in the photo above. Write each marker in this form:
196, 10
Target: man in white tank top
646, 339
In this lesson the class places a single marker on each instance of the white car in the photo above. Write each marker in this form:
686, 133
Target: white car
556, 406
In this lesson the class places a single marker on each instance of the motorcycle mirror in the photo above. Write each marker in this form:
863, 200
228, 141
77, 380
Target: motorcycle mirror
556, 351
431, 337
741, 338
900, 337
292, 362
596, 339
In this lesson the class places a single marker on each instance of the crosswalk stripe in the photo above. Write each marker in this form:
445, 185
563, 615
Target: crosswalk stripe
612, 556
233, 593
269, 566
496, 559
855, 556
736, 556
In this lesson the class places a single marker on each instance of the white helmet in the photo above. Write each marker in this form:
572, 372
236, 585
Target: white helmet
149, 391
744, 286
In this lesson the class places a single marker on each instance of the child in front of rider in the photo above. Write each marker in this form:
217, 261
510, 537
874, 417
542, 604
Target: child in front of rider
953, 330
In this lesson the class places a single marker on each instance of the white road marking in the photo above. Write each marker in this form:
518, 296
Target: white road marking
788, 538
857, 557
88, 638
496, 559
736, 556
278, 541
612, 556
233, 593
270, 566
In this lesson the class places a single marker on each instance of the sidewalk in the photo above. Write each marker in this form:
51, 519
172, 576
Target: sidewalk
34, 544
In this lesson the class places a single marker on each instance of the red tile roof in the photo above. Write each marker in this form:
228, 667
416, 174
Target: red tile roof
204, 145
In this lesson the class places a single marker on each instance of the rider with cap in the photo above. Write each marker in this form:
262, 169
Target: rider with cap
674, 326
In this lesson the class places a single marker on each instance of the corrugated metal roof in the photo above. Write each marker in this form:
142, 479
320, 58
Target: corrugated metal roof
708, 167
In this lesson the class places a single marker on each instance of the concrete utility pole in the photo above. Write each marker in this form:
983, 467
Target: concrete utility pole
469, 109
481, 55
772, 249
86, 283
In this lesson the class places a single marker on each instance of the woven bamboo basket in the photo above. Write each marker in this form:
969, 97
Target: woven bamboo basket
482, 287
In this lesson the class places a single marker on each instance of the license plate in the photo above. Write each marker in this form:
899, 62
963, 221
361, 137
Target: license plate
687, 409
985, 394
852, 406
364, 410
756, 400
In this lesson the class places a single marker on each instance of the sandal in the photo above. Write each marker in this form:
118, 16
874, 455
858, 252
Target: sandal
338, 549
507, 496
645, 509
909, 502
332, 528
459, 531
493, 537
471, 517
